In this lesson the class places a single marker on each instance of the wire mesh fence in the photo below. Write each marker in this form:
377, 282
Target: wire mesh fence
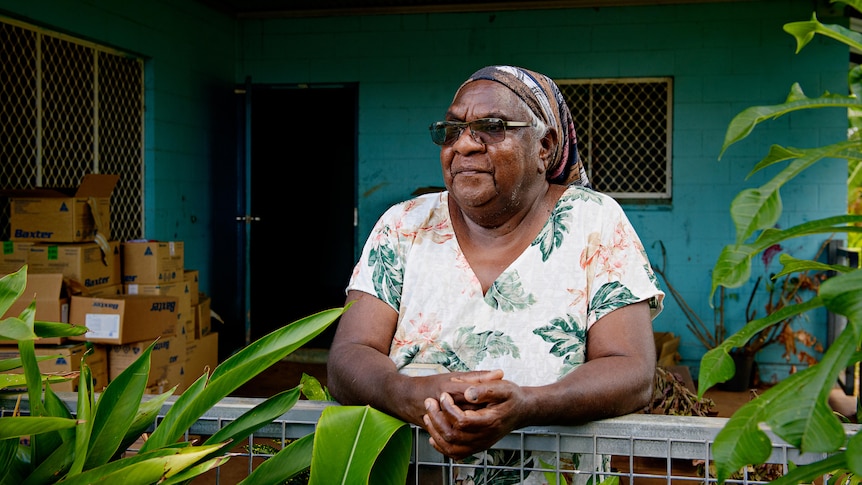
645, 449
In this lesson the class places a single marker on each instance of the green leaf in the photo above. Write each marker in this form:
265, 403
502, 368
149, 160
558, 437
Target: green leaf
14, 329
56, 465
9, 364
804, 32
854, 453
191, 472
733, 267
743, 123
263, 413
358, 444
288, 462
116, 409
144, 418
237, 370
85, 415
717, 365
11, 288
811, 472
20, 426
56, 329
144, 468
312, 389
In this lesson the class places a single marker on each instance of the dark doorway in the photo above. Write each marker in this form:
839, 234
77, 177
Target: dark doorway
302, 196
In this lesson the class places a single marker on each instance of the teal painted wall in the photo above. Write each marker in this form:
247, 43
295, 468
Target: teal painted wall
723, 57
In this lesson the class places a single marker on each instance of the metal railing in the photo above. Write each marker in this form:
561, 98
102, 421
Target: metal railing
644, 448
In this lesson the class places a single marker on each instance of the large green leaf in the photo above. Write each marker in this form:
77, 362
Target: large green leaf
743, 123
86, 403
116, 409
360, 445
291, 460
13, 328
144, 418
263, 413
56, 329
237, 370
54, 467
144, 468
19, 426
733, 267
8, 449
11, 288
805, 31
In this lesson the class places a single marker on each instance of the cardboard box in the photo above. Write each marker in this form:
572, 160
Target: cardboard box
192, 276
203, 321
85, 264
166, 360
52, 303
201, 356
180, 290
63, 214
67, 360
124, 319
153, 262
102, 291
13, 255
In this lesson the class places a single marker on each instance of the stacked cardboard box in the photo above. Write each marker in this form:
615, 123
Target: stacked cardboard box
129, 295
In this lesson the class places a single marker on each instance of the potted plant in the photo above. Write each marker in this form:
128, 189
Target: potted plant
778, 292
88, 447
796, 408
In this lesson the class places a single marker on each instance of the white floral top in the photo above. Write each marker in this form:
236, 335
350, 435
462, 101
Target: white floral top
586, 262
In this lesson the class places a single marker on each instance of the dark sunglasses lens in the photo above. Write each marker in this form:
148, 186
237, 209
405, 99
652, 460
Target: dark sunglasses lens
491, 130
443, 133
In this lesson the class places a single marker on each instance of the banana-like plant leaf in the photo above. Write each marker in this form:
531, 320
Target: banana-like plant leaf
360, 445
813, 471
795, 265
191, 472
9, 364
11, 288
807, 424
290, 461
8, 449
733, 267
252, 420
144, 418
20, 426
237, 370
13, 328
54, 467
116, 409
50, 441
144, 468
805, 31
57, 329
854, 454
85, 414
743, 123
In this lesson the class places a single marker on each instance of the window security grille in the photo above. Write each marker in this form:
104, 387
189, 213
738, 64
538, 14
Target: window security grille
69, 108
624, 134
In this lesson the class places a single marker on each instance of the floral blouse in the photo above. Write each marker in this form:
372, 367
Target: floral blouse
532, 323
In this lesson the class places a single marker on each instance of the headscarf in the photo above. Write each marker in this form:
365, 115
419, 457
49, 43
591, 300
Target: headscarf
544, 98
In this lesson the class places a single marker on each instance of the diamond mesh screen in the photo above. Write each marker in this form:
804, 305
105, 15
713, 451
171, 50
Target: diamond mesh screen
69, 108
624, 134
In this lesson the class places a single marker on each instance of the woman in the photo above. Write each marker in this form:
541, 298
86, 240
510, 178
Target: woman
517, 297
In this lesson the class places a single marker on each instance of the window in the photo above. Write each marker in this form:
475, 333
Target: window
624, 134
68, 108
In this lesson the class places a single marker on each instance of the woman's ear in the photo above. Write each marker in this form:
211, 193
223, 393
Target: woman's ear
548, 147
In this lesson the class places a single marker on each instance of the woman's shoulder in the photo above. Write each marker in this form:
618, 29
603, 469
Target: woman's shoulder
419, 210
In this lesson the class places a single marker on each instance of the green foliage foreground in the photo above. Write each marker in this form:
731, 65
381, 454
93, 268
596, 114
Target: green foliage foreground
797, 408
53, 446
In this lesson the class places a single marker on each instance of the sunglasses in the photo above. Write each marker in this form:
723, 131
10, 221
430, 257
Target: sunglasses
485, 130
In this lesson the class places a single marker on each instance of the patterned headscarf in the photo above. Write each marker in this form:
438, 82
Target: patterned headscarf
544, 98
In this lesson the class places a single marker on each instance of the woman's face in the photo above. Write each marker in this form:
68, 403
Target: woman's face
495, 177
